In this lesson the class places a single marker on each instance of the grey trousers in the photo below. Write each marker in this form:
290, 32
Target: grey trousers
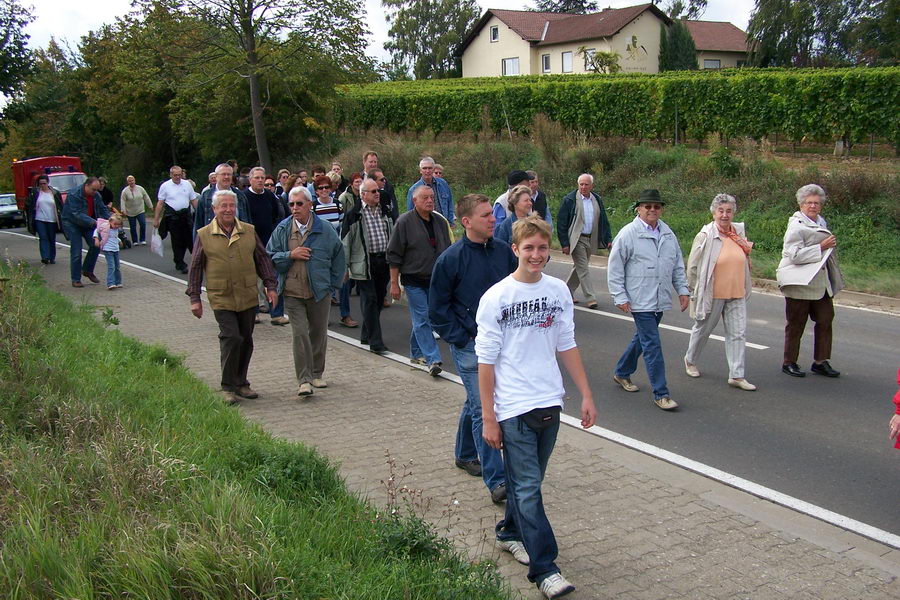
735, 323
309, 326
581, 255
235, 346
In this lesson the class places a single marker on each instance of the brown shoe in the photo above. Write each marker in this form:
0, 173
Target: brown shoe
666, 403
626, 383
229, 398
387, 303
77, 284
349, 322
91, 276
245, 391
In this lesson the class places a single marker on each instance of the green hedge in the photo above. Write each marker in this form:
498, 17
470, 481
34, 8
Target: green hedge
818, 104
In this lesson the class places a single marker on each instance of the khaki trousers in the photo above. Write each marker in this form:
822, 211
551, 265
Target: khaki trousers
309, 326
581, 255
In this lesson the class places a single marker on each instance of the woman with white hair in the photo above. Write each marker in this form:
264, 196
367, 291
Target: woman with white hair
809, 277
718, 274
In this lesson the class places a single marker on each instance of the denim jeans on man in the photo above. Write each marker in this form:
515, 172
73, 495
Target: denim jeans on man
113, 274
646, 341
46, 231
141, 220
526, 453
76, 235
421, 340
469, 443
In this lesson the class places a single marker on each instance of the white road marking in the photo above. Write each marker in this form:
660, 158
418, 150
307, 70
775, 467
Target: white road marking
728, 479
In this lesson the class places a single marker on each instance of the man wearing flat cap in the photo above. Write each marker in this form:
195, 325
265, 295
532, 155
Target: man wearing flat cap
514, 178
644, 264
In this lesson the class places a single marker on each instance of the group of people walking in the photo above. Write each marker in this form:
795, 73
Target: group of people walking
289, 245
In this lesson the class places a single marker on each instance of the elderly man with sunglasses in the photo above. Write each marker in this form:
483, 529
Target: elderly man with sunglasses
309, 262
644, 264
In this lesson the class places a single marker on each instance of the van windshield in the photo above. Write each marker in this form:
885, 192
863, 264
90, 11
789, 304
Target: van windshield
66, 181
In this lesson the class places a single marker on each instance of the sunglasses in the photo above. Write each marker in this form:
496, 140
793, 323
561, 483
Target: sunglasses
324, 187
298, 203
269, 185
651, 206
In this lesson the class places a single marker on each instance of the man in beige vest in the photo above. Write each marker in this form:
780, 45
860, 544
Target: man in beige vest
232, 256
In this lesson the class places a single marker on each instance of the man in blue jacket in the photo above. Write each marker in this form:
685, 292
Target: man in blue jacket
462, 274
443, 198
82, 208
645, 263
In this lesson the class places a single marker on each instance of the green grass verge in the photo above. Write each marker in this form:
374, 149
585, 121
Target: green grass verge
124, 476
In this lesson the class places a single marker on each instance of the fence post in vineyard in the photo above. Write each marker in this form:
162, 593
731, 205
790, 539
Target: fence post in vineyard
676, 124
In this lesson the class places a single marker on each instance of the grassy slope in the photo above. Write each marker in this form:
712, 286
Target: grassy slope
862, 209
121, 474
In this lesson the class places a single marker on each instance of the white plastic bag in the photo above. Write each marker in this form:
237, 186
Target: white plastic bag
156, 243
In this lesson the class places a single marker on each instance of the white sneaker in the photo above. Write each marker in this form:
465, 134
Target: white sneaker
742, 384
556, 586
517, 549
305, 390
319, 383
690, 369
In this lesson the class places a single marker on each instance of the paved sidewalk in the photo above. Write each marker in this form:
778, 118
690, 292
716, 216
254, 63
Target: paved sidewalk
629, 526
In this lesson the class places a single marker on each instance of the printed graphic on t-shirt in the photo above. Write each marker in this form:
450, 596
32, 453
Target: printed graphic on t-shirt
537, 312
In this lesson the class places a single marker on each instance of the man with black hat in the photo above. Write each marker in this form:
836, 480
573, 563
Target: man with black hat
644, 264
582, 228
512, 180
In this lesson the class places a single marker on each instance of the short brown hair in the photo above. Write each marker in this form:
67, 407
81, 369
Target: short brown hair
466, 204
529, 226
512, 198
322, 180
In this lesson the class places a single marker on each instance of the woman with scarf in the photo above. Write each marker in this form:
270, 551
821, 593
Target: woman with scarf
718, 274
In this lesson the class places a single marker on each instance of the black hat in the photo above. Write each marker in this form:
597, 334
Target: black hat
649, 196
517, 177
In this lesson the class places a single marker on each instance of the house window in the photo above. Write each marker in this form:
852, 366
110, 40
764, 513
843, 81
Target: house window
510, 66
566, 62
588, 54
545, 63
712, 63
495, 33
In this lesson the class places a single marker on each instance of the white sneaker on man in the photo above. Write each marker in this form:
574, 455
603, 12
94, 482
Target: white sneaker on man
556, 586
319, 383
690, 369
516, 548
305, 390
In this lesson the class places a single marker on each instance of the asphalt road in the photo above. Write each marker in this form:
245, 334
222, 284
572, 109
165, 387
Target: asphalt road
818, 439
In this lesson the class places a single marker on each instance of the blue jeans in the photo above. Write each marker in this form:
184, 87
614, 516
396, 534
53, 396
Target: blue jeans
526, 453
277, 310
76, 235
46, 231
469, 443
345, 298
141, 220
113, 274
421, 341
646, 341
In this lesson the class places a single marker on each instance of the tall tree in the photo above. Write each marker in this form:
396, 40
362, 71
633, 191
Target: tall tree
425, 34
878, 34
684, 9
573, 7
14, 54
803, 32
254, 37
677, 51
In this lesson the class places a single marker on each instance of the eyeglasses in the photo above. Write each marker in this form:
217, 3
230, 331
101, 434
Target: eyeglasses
298, 203
269, 185
324, 187
651, 206
381, 179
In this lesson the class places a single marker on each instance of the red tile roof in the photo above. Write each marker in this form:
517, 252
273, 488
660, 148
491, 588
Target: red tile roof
605, 23
716, 35
528, 24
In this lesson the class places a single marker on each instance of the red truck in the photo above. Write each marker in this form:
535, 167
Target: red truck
64, 173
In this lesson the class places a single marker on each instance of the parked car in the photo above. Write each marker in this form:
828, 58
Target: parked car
9, 211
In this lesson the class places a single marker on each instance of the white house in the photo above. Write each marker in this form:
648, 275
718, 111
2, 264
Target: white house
515, 42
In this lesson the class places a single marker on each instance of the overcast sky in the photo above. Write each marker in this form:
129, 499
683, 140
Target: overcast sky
69, 20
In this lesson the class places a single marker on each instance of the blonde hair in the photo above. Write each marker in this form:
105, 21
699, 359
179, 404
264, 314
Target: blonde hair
512, 198
114, 218
530, 226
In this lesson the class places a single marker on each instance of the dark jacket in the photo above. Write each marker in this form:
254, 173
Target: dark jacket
389, 201
462, 274
409, 248
75, 209
566, 216
204, 213
265, 212
31, 208
539, 204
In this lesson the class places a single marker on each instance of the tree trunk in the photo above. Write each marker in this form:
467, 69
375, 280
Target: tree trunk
259, 127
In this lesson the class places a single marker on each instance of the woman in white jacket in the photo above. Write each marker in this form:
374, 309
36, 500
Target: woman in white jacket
718, 275
809, 277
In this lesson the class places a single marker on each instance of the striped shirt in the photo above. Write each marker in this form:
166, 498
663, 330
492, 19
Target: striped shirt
330, 212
